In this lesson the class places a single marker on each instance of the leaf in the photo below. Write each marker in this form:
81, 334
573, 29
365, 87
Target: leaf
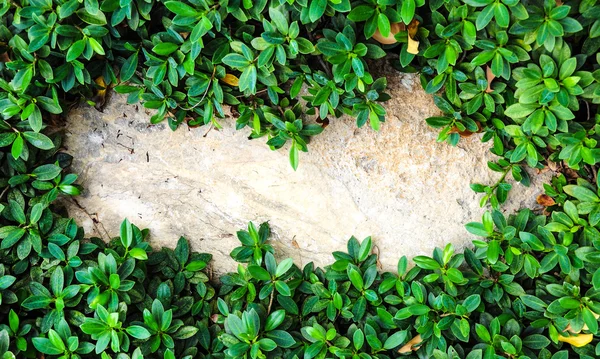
426, 262
126, 234
534, 302
129, 67
165, 48
283, 267
231, 80
478, 229
17, 147
395, 340
93, 19
259, 272
581, 193
365, 249
520, 110
47, 172
294, 155
281, 338
316, 9
536, 341
355, 278
407, 11
38, 140
181, 9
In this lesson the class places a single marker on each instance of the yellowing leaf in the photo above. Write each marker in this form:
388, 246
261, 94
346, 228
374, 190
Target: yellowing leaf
100, 97
413, 45
231, 80
578, 340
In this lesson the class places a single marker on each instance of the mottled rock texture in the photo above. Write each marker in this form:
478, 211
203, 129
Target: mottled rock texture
398, 185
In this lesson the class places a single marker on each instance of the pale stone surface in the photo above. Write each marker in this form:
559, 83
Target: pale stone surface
400, 186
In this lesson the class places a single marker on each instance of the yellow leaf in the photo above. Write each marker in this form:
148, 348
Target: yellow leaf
231, 80
578, 340
100, 97
413, 45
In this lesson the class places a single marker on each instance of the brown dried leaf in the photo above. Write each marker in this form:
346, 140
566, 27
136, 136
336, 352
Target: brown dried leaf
412, 345
489, 77
395, 28
545, 200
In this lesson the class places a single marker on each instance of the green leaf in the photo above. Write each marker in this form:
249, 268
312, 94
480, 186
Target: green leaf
165, 48
518, 110
536, 341
36, 302
17, 147
93, 19
38, 140
383, 23
355, 278
365, 249
478, 229
294, 155
129, 67
181, 9
283, 267
407, 12
426, 263
259, 272
581, 193
47, 172
534, 302
395, 340
316, 9
361, 13
282, 338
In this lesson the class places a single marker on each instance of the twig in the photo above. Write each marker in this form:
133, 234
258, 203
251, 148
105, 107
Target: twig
94, 221
209, 129
257, 93
4, 191
271, 301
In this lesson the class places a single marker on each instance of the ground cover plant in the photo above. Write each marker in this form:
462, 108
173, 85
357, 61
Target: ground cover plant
529, 288
524, 73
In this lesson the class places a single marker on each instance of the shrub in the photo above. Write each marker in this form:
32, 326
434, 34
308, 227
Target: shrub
524, 73
529, 291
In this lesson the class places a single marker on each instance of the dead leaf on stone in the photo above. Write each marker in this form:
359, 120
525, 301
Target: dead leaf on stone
231, 80
466, 133
412, 345
324, 123
545, 200
489, 77
413, 45
295, 244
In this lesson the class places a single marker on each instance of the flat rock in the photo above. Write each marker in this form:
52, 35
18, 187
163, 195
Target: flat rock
398, 185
